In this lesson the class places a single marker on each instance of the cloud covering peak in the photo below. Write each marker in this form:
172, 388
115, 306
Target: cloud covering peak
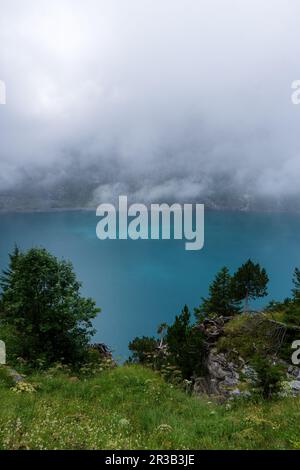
172, 100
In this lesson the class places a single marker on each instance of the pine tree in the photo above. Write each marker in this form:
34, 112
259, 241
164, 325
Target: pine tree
296, 282
186, 345
292, 311
6, 277
220, 300
249, 282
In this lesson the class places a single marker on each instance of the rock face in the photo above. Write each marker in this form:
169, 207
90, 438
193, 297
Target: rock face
294, 379
226, 378
104, 352
295, 385
213, 328
222, 376
102, 349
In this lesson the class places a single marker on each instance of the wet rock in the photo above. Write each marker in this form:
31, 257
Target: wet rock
295, 385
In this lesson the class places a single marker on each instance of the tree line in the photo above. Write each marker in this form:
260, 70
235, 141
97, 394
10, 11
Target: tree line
45, 319
182, 346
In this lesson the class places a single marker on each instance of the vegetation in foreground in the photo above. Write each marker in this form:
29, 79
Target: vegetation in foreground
74, 397
132, 407
43, 316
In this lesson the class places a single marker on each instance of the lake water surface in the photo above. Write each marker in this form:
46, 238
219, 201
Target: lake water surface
140, 284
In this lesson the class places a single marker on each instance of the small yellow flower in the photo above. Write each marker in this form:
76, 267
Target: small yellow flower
23, 387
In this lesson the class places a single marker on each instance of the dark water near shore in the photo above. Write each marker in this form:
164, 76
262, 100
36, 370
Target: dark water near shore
140, 284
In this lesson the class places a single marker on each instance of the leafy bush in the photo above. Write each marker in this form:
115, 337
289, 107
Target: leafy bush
5, 378
292, 314
178, 354
269, 377
247, 335
143, 349
12, 340
42, 306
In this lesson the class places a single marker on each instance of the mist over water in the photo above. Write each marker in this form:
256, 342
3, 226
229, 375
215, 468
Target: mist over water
173, 101
140, 284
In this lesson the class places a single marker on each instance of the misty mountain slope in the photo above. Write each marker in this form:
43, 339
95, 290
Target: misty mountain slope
87, 188
172, 101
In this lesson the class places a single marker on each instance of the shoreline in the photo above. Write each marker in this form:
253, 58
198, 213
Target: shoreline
89, 209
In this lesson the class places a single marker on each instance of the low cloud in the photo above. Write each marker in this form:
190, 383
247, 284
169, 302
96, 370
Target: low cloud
174, 100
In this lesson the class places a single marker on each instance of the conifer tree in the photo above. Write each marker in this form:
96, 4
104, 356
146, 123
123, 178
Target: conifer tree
292, 310
220, 299
186, 344
249, 282
296, 282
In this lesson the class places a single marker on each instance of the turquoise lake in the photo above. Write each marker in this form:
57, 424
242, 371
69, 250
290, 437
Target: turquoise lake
140, 284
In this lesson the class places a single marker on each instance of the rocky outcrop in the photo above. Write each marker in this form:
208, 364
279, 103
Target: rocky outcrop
228, 375
227, 379
294, 379
213, 328
222, 375
222, 378
104, 352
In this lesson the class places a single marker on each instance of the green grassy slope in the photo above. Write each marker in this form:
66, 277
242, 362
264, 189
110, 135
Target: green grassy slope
132, 408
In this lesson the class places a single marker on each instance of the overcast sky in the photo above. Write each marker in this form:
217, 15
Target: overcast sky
171, 99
